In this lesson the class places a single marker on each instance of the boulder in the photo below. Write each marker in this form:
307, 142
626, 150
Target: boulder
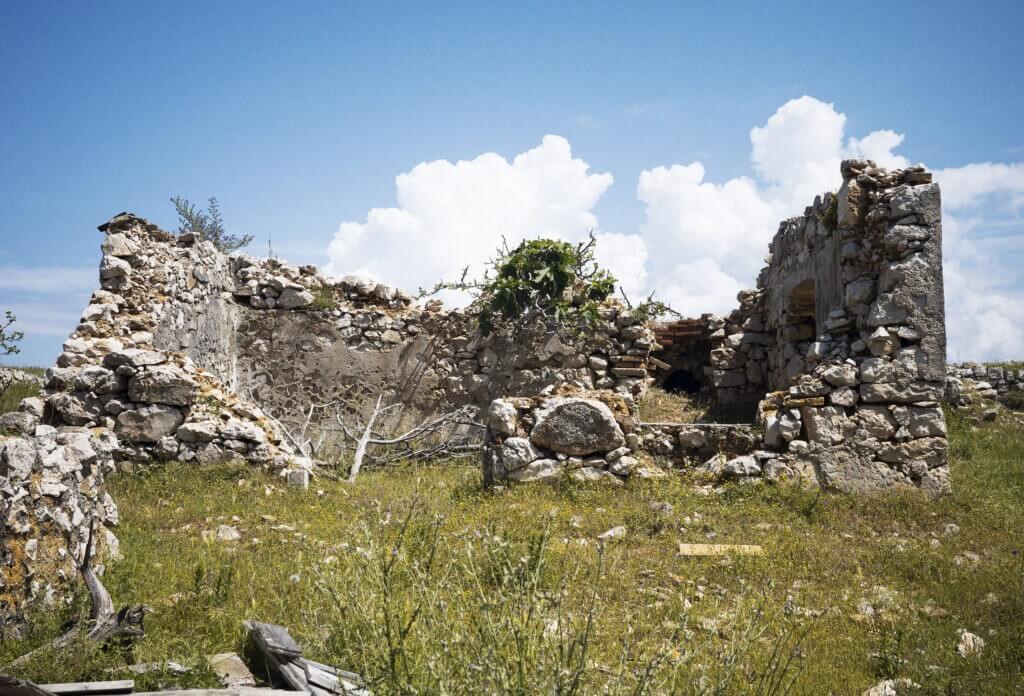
577, 427
149, 424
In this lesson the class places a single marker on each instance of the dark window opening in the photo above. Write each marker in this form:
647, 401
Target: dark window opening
682, 381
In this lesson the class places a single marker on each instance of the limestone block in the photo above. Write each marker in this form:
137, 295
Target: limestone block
163, 385
538, 470
149, 424
502, 417
517, 452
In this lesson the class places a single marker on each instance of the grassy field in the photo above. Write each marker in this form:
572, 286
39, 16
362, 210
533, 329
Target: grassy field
426, 584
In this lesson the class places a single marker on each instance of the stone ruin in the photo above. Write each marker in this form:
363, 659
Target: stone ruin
831, 371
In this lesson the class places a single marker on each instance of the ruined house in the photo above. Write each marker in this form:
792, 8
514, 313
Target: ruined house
831, 370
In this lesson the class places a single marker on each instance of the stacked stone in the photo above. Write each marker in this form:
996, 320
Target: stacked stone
862, 402
51, 492
986, 381
160, 404
579, 434
738, 355
687, 445
12, 375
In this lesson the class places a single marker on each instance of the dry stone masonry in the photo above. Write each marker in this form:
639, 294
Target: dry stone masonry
832, 370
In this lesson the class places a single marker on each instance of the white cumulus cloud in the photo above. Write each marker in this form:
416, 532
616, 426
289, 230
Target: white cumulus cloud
700, 241
453, 215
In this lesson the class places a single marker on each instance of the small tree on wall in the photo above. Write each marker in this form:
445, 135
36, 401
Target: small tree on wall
8, 337
544, 280
207, 225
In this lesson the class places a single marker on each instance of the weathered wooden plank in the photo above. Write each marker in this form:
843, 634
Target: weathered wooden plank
122, 686
232, 691
720, 550
276, 639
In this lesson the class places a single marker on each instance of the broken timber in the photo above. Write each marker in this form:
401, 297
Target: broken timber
284, 660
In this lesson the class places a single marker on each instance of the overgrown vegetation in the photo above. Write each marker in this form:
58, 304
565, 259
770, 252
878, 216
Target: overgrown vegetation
13, 394
830, 218
1015, 399
660, 406
426, 584
324, 299
8, 337
544, 281
207, 225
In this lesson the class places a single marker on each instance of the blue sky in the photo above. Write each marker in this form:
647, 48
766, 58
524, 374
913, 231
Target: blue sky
299, 117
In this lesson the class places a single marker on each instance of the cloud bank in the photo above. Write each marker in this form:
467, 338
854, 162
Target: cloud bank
710, 238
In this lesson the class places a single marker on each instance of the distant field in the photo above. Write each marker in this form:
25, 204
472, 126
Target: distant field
424, 583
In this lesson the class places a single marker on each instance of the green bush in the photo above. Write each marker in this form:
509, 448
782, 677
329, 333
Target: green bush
1015, 399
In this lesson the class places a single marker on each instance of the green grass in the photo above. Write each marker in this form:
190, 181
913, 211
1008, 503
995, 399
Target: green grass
12, 396
509, 592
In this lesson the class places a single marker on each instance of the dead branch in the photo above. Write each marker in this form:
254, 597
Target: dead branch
414, 443
104, 624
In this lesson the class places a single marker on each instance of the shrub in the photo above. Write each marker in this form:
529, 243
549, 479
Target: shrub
1015, 399
208, 225
324, 299
9, 339
544, 280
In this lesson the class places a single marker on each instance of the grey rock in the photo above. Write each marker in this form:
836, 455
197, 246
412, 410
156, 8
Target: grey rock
577, 427
163, 385
149, 424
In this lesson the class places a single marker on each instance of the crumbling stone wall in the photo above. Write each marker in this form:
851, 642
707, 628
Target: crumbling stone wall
987, 381
840, 349
847, 330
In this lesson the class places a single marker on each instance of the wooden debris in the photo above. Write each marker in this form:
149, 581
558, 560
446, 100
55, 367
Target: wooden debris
104, 623
234, 691
10, 686
230, 669
720, 550
284, 660
122, 686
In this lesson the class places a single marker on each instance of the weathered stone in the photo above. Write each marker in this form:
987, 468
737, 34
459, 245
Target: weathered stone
149, 424
577, 427
236, 429
537, 470
163, 385
293, 298
517, 452
502, 417
915, 391
202, 431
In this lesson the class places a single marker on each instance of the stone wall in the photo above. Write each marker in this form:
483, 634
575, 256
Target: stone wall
987, 381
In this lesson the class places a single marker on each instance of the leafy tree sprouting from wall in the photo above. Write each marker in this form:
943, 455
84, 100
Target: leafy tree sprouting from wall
547, 281
207, 224
8, 337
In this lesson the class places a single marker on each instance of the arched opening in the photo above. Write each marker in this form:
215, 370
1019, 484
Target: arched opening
682, 382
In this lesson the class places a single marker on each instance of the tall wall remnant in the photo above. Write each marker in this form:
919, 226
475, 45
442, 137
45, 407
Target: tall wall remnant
190, 354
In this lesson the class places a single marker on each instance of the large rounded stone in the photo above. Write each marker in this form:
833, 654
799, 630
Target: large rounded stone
149, 424
577, 426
